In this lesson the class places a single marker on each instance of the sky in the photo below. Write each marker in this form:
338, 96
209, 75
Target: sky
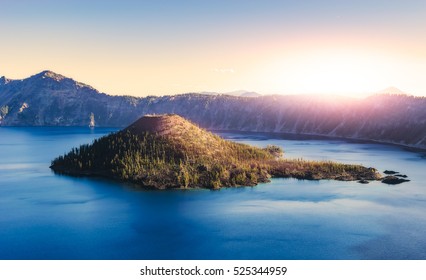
164, 47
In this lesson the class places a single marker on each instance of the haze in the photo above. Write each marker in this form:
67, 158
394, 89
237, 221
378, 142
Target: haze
167, 47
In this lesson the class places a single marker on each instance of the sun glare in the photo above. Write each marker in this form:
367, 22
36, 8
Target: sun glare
331, 72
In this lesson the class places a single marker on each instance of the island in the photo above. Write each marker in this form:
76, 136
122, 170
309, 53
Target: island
170, 152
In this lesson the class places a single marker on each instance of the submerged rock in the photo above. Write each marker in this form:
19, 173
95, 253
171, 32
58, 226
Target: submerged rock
390, 172
363, 182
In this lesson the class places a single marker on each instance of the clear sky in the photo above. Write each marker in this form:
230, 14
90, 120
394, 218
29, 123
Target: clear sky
166, 47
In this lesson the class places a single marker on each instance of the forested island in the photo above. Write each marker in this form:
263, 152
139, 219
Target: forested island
168, 151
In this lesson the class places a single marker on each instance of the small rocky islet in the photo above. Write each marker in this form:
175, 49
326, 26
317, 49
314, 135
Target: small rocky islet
170, 152
394, 177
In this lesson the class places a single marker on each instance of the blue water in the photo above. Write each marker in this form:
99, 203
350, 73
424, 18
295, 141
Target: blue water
46, 216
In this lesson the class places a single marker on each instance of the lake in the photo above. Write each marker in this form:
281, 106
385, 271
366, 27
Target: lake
48, 216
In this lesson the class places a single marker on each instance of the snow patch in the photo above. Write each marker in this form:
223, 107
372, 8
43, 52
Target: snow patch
23, 107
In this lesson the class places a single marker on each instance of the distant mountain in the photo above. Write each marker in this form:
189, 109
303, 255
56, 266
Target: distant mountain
50, 99
167, 151
54, 100
242, 93
390, 90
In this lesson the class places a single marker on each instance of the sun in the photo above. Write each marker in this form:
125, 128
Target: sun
331, 72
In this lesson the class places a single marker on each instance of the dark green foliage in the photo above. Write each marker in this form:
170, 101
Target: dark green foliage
163, 162
316, 170
189, 157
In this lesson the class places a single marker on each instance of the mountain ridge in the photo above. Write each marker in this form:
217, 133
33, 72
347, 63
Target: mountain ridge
391, 90
388, 118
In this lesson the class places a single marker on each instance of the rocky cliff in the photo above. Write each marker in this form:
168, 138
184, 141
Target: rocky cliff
48, 99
